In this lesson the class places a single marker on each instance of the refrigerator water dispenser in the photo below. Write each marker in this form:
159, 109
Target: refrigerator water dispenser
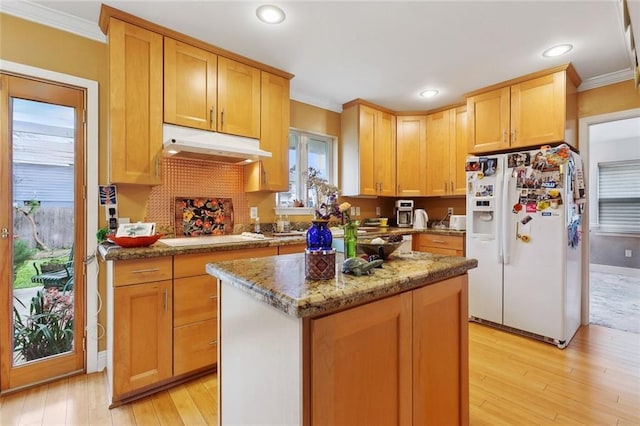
483, 223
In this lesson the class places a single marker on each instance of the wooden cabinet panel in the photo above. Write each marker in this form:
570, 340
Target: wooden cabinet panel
488, 117
459, 146
294, 248
195, 346
272, 174
136, 271
194, 299
135, 104
441, 395
238, 98
439, 127
411, 150
368, 151
189, 265
368, 347
142, 344
190, 85
451, 245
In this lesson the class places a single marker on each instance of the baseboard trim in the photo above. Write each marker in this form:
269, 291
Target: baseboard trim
631, 272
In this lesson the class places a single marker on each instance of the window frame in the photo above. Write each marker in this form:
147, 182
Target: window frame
633, 165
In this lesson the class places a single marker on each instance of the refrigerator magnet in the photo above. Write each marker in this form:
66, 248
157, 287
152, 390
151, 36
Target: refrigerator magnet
531, 207
517, 208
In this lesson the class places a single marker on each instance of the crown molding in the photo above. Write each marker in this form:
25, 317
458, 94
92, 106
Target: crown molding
53, 18
320, 103
606, 79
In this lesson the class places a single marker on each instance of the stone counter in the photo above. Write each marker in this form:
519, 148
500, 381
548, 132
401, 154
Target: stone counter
280, 281
112, 252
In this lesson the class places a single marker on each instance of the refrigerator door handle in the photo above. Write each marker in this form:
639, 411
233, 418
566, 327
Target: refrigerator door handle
504, 210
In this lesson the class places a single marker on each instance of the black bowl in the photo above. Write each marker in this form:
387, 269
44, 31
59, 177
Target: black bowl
381, 250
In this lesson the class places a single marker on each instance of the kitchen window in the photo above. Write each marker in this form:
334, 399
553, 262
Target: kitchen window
619, 196
307, 150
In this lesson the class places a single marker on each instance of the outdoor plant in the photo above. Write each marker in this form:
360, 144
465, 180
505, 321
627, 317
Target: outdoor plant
48, 329
21, 252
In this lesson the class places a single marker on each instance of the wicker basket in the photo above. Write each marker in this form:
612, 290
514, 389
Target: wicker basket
320, 264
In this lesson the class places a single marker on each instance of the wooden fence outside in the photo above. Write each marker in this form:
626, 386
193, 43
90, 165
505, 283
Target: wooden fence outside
54, 226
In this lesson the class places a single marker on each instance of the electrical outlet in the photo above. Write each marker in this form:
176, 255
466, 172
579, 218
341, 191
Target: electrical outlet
357, 211
253, 212
449, 211
628, 253
377, 211
353, 211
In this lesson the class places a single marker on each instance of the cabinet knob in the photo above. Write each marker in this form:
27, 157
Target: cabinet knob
212, 118
222, 118
513, 135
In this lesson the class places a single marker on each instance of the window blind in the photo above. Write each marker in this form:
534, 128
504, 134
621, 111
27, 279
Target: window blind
619, 196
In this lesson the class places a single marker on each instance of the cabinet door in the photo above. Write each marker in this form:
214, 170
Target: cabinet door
459, 148
488, 121
385, 153
367, 155
411, 149
368, 347
538, 111
189, 85
135, 105
195, 346
238, 98
142, 343
194, 299
438, 139
272, 174
440, 338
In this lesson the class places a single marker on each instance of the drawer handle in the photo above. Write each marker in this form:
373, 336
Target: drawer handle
142, 271
212, 297
439, 241
213, 342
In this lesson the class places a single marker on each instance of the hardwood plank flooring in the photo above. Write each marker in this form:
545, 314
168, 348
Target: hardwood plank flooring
513, 380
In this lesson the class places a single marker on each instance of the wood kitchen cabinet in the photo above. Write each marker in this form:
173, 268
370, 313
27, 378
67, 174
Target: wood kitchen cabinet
387, 347
211, 92
272, 174
451, 245
411, 155
534, 110
135, 104
368, 150
142, 325
446, 152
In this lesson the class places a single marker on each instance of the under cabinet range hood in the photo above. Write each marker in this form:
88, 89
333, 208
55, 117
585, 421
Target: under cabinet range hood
185, 142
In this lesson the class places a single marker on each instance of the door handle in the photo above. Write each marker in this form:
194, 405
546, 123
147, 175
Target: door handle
5, 233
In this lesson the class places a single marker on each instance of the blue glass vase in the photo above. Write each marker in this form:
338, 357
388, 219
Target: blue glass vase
319, 236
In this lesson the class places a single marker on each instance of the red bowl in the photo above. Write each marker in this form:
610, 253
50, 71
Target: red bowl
129, 242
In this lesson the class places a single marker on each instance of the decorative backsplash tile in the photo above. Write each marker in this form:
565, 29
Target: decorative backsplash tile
196, 178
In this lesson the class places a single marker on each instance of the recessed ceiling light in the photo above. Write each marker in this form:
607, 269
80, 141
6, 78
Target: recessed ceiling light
429, 93
270, 14
558, 50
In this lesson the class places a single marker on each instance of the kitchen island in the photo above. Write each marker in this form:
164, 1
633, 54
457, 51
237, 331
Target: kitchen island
389, 348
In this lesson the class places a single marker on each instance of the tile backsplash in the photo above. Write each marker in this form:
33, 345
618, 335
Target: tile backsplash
196, 178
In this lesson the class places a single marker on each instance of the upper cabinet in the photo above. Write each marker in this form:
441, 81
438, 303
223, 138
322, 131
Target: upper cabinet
446, 152
135, 104
537, 109
368, 150
272, 174
411, 151
210, 92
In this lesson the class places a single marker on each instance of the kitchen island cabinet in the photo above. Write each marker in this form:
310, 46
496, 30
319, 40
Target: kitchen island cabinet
368, 150
534, 110
390, 348
135, 104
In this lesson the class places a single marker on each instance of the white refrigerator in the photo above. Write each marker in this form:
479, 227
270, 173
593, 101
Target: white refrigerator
524, 226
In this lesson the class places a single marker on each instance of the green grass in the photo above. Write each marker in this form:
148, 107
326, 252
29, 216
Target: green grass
25, 271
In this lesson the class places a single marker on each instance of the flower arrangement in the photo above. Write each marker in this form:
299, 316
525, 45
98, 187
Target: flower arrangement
322, 190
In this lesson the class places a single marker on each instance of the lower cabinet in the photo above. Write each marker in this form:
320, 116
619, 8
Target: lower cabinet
373, 364
450, 245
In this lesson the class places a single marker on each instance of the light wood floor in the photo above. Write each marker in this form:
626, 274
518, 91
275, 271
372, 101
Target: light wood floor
513, 380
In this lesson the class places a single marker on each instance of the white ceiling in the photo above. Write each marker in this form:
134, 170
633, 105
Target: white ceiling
388, 51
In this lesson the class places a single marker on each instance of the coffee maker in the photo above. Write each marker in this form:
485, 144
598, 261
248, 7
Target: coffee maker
404, 213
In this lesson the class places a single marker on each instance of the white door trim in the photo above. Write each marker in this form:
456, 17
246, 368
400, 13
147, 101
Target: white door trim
584, 144
91, 152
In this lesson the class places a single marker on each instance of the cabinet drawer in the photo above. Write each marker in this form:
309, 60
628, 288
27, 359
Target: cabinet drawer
194, 299
194, 346
442, 241
136, 271
190, 265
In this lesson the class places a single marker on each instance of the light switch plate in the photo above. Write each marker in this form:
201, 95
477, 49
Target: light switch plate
253, 212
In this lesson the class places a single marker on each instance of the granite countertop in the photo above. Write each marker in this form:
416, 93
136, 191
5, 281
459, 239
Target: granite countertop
112, 252
280, 281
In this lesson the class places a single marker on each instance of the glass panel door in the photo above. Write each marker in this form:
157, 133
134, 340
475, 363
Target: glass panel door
43, 173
